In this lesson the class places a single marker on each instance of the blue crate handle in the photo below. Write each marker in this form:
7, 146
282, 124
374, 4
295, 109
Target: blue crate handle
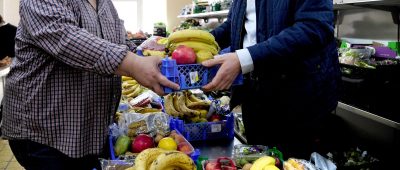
179, 74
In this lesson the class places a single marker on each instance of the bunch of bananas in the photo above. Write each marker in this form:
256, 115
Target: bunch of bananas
159, 159
264, 163
202, 42
186, 106
130, 88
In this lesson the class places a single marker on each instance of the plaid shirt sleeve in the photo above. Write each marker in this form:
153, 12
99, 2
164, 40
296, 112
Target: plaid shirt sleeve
54, 28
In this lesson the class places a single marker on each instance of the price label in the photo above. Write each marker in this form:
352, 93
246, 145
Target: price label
216, 128
194, 77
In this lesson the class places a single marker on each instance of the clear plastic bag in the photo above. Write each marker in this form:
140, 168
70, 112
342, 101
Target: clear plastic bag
133, 124
116, 164
321, 162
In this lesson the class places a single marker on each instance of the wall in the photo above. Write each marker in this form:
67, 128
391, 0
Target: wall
1, 7
174, 8
11, 11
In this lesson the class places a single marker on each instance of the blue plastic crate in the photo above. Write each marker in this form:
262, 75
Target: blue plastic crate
205, 131
189, 76
195, 155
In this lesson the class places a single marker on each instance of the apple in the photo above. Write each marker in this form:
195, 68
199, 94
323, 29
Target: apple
184, 55
215, 118
213, 166
141, 143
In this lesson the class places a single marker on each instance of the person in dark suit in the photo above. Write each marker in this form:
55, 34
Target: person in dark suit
7, 41
287, 53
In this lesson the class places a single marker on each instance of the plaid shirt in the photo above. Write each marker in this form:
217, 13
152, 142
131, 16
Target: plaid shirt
61, 90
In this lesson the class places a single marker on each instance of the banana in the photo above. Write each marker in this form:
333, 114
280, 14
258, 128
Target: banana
135, 93
196, 104
147, 110
173, 159
169, 105
260, 163
193, 98
176, 104
184, 108
145, 158
126, 85
196, 46
130, 89
125, 78
154, 53
189, 34
131, 81
203, 113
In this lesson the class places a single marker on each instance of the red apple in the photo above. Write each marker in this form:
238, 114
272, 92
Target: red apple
184, 55
213, 166
215, 118
142, 142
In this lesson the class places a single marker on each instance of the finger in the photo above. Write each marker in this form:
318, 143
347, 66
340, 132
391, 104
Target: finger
158, 89
165, 82
210, 86
213, 62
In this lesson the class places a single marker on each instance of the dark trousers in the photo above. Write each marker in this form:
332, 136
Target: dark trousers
35, 156
279, 115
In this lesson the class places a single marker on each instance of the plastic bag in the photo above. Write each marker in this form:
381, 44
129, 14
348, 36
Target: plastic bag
321, 162
219, 106
151, 123
116, 164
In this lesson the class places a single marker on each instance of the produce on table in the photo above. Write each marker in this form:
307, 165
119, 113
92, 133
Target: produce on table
142, 142
185, 105
167, 143
264, 162
157, 158
222, 163
122, 145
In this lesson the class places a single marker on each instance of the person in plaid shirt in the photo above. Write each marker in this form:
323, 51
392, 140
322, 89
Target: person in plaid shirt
64, 84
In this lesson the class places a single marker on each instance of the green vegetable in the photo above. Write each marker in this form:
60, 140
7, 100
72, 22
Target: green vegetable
122, 145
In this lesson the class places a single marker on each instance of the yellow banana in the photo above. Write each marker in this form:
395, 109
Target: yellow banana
131, 82
260, 163
148, 110
173, 159
197, 103
193, 98
126, 85
145, 158
196, 46
135, 93
125, 78
130, 89
203, 56
175, 103
189, 34
169, 105
184, 109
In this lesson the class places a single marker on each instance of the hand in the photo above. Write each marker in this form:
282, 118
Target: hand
145, 70
227, 73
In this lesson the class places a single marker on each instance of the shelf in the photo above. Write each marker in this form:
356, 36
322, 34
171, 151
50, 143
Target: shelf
370, 116
354, 4
217, 14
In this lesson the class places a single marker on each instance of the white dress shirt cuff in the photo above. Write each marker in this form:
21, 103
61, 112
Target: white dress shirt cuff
246, 62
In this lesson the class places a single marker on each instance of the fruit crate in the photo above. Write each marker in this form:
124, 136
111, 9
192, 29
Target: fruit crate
195, 153
190, 76
207, 130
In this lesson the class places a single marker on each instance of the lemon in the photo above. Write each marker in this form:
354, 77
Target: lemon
167, 143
